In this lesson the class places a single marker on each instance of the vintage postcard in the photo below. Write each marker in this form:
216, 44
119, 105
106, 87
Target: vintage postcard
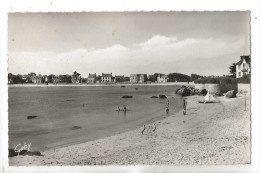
129, 88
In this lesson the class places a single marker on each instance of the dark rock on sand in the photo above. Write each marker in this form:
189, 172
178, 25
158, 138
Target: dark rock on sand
203, 92
162, 97
184, 92
154, 97
75, 127
231, 94
31, 117
126, 96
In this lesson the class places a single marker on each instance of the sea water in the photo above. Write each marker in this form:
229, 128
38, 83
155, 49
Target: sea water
69, 115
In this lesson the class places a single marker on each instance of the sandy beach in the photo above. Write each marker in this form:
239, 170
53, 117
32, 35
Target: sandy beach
217, 133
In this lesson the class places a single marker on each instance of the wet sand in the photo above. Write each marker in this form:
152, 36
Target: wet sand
217, 133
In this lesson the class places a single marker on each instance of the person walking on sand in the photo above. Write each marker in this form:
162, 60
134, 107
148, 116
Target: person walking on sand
167, 109
125, 108
184, 106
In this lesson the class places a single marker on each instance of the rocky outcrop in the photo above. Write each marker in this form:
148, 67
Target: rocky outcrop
127, 96
187, 91
31, 117
162, 97
203, 92
231, 94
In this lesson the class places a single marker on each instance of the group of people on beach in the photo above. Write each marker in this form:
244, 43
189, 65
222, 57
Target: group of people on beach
167, 107
124, 109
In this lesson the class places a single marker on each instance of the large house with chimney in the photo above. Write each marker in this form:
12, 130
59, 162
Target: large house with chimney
243, 66
106, 78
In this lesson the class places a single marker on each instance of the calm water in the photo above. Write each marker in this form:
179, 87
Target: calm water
93, 109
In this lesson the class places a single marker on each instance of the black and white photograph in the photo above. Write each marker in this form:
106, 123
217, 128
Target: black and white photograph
129, 88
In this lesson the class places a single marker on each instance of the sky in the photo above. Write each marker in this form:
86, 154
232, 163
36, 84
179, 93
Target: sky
204, 43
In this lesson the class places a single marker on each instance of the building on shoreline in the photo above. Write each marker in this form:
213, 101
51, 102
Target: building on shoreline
243, 66
36, 79
92, 78
106, 78
138, 78
161, 78
76, 78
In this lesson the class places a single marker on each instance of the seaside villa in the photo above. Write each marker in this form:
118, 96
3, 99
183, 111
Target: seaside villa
106, 78
138, 78
243, 66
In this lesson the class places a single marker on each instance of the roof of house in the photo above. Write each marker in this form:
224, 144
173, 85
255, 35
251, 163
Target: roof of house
92, 75
106, 74
138, 75
247, 59
119, 76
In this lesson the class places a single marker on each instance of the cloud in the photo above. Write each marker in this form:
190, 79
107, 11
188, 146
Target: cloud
160, 41
157, 41
157, 54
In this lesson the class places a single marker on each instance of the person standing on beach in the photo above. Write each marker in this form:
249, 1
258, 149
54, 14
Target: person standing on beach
184, 106
167, 106
167, 109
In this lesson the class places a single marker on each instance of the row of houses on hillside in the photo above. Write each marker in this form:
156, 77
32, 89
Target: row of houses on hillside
242, 68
